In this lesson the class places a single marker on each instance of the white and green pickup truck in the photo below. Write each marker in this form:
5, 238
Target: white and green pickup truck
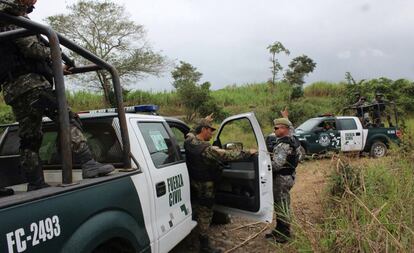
345, 134
145, 209
145, 205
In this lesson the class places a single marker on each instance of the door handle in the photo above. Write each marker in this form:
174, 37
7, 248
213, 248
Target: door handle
160, 188
358, 134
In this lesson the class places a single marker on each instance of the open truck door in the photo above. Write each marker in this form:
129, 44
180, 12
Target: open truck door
245, 187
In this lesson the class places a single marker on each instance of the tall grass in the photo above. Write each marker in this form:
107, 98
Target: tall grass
369, 208
324, 89
84, 100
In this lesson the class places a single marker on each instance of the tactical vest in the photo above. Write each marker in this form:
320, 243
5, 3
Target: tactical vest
292, 159
13, 64
198, 169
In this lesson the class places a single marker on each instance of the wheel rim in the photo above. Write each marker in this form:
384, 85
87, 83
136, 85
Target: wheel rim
379, 151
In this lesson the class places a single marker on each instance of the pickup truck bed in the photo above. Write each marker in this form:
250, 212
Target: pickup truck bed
22, 196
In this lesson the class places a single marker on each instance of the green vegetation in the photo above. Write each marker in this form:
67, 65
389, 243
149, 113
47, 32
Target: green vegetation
196, 98
319, 97
369, 208
369, 203
299, 67
274, 49
114, 37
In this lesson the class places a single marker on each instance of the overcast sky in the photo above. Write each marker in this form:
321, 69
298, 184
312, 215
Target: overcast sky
226, 40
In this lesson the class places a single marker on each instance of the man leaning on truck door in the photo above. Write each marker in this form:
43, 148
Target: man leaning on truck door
204, 163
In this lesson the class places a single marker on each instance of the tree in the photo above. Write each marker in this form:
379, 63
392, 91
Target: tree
105, 29
195, 97
276, 48
185, 74
299, 67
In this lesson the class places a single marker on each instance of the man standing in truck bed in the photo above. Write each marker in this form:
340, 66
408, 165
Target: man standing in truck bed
27, 81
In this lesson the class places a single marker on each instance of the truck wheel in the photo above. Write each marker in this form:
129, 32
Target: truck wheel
116, 245
378, 149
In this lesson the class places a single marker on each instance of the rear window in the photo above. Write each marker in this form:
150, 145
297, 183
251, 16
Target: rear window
11, 142
100, 136
347, 124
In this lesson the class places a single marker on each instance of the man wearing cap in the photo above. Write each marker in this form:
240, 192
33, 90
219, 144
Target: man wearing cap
204, 163
26, 78
286, 156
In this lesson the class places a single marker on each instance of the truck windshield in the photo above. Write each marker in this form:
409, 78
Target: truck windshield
308, 125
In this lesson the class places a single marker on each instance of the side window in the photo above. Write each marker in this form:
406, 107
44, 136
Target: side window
326, 125
159, 143
348, 124
237, 131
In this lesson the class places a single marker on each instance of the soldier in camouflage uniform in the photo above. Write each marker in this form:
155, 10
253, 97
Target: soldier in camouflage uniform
286, 155
27, 81
204, 163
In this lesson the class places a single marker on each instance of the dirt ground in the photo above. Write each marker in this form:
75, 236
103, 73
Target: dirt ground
243, 235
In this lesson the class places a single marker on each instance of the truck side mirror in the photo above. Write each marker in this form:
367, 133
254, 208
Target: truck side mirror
233, 146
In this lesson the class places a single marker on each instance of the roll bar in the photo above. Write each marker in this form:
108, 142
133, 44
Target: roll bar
28, 28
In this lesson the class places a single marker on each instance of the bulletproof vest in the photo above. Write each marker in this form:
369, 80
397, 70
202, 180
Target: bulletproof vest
198, 169
271, 141
292, 159
14, 64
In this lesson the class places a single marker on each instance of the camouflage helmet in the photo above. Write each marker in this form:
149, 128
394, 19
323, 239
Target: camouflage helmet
204, 123
283, 121
378, 94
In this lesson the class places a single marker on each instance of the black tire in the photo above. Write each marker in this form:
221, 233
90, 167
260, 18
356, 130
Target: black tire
115, 246
378, 149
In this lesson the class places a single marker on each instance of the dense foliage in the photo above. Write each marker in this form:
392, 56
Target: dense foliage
105, 29
319, 97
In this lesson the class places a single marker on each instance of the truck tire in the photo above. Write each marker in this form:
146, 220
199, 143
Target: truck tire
378, 149
115, 246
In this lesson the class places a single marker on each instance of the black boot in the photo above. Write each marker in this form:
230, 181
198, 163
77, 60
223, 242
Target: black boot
35, 179
90, 167
281, 234
33, 169
205, 245
220, 218
6, 192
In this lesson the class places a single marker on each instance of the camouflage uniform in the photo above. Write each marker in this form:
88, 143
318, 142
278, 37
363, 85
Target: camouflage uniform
13, 8
286, 155
28, 90
379, 110
203, 189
